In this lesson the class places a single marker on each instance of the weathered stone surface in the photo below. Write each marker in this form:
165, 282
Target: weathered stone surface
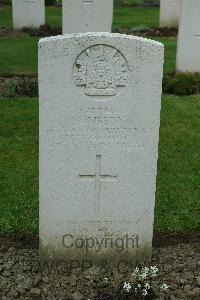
100, 100
87, 16
170, 13
188, 58
28, 13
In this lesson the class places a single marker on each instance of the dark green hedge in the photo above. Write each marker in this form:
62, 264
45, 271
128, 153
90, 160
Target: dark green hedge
50, 2
180, 84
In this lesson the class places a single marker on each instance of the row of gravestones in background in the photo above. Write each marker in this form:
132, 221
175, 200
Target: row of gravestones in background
80, 18
169, 14
116, 2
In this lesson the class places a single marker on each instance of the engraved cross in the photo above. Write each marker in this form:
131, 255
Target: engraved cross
98, 178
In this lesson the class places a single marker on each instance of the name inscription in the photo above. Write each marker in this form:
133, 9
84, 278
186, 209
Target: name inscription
99, 127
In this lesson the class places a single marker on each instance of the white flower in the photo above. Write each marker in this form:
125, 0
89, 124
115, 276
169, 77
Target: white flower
139, 285
154, 270
147, 286
143, 276
146, 269
137, 270
145, 293
105, 279
127, 286
164, 287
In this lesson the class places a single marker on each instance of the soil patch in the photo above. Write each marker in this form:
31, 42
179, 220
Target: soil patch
161, 240
19, 242
154, 32
147, 3
5, 32
47, 30
22, 277
119, 3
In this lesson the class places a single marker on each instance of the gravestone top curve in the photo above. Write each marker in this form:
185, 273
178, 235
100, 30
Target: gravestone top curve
99, 34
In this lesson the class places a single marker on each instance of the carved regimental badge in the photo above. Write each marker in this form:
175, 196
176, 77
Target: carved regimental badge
101, 70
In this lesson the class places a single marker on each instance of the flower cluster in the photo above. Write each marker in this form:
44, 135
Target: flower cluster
145, 273
127, 287
139, 283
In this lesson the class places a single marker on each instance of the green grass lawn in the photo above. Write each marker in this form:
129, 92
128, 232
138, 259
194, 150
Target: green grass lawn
5, 16
170, 53
18, 55
129, 17
123, 16
19, 166
54, 16
177, 198
178, 185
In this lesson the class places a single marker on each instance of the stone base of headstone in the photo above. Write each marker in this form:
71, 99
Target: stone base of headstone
170, 13
28, 13
188, 50
115, 257
100, 98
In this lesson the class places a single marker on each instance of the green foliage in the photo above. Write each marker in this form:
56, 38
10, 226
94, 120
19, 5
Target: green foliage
6, 2
43, 31
18, 87
27, 87
153, 2
182, 84
10, 88
137, 2
50, 2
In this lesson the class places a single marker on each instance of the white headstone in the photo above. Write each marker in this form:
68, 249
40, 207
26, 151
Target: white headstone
170, 13
87, 16
188, 51
100, 97
28, 13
